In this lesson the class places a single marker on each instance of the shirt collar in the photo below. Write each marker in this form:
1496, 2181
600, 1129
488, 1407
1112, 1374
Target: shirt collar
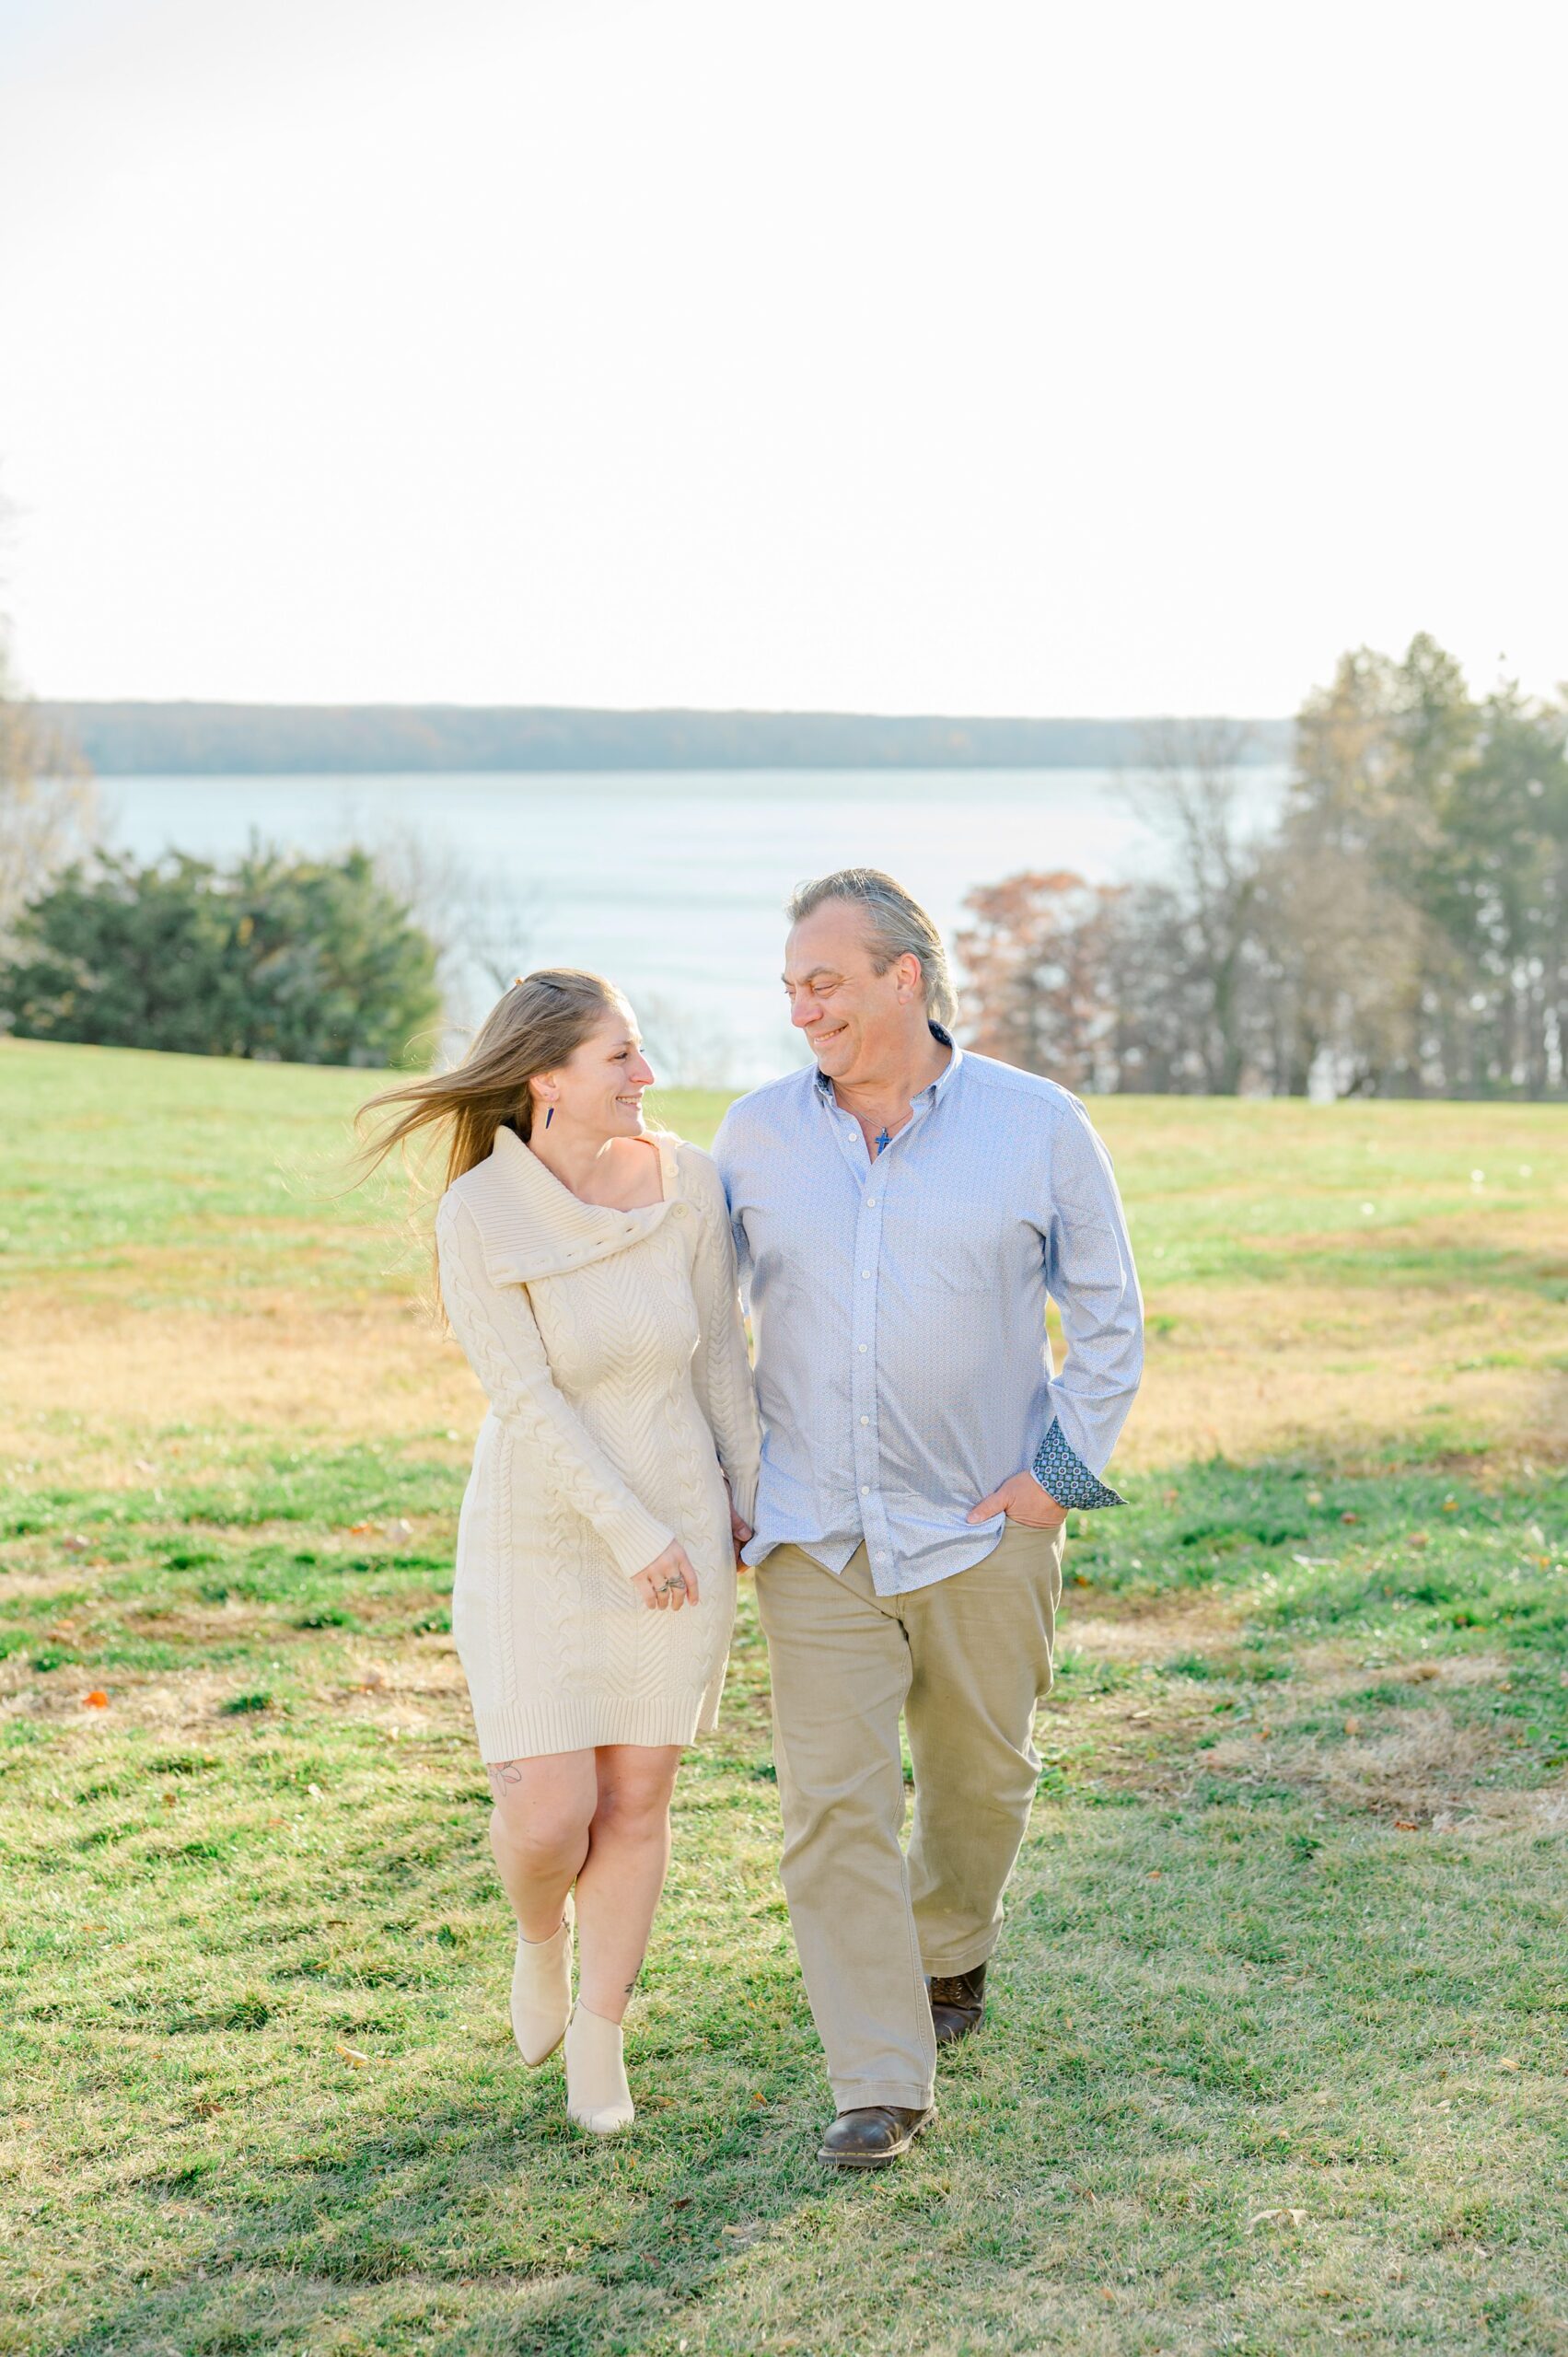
932, 1090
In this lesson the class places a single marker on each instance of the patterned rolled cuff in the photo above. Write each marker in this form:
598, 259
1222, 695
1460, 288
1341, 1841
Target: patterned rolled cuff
1064, 1475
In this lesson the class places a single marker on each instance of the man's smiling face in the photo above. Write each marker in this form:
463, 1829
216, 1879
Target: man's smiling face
854, 1019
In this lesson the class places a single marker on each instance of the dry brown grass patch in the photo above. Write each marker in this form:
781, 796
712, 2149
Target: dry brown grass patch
372, 1369
1265, 1370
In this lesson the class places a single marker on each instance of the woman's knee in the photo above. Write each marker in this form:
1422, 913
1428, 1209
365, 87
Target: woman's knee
541, 1822
538, 1840
634, 1801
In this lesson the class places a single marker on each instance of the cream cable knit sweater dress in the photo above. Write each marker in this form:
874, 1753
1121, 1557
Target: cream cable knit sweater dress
610, 1347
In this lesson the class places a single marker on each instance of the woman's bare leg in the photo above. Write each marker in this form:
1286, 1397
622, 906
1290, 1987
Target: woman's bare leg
619, 1886
539, 1832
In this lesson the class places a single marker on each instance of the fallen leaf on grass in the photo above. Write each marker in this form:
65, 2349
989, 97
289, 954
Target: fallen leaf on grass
352, 2054
1275, 2217
360, 1530
75, 1544
1406, 1825
1506, 2062
400, 1533
97, 1701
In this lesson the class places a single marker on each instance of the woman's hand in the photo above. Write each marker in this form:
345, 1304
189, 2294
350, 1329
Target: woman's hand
740, 1530
668, 1582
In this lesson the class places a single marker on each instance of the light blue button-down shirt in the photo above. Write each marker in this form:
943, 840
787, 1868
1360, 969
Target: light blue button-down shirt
899, 1306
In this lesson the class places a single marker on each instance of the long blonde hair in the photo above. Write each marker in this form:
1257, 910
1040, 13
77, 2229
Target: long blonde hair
541, 1021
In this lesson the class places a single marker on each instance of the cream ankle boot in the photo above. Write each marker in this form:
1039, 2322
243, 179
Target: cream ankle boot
597, 2097
541, 1991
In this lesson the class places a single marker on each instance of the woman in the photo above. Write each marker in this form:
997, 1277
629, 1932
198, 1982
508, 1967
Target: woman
588, 1270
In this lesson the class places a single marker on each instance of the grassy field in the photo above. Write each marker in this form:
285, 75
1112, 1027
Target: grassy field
1277, 2061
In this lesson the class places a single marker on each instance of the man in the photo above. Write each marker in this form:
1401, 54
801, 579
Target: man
902, 1210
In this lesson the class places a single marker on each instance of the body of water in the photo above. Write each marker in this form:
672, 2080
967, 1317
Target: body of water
673, 884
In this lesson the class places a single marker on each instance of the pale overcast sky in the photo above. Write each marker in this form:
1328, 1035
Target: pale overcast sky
999, 355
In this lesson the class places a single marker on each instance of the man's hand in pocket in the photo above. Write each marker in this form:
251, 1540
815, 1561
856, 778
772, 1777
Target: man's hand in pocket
1022, 1499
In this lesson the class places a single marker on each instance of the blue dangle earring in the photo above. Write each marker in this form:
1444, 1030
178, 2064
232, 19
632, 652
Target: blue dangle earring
548, 1115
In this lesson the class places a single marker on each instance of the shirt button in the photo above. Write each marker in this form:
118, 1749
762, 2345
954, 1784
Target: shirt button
865, 1273
865, 1420
862, 1349
871, 1202
866, 1489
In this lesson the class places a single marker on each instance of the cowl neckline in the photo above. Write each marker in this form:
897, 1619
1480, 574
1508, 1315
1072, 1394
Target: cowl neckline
534, 1226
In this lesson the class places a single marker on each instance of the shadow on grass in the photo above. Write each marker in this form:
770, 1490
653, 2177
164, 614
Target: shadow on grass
428, 2206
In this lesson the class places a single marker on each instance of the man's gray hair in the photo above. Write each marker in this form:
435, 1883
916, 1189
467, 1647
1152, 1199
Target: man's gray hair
899, 927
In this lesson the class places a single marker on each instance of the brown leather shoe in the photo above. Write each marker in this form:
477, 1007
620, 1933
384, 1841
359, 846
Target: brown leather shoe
957, 2001
871, 2137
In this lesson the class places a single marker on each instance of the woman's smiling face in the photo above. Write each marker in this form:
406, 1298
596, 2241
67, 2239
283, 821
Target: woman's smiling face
599, 1089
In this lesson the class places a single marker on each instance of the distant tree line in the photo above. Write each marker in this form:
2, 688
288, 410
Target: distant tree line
1400, 930
347, 739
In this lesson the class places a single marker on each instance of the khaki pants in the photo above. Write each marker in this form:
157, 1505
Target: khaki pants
965, 1663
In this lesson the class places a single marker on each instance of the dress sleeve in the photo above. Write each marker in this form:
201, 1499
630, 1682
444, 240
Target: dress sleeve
722, 1371
503, 1346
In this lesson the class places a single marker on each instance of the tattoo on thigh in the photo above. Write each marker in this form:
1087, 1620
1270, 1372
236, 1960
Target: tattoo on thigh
503, 1772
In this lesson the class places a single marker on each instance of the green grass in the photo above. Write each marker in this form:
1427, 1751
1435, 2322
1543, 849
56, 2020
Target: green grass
1277, 2057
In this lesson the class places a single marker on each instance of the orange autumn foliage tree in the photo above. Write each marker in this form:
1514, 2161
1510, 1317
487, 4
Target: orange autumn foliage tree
1037, 961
